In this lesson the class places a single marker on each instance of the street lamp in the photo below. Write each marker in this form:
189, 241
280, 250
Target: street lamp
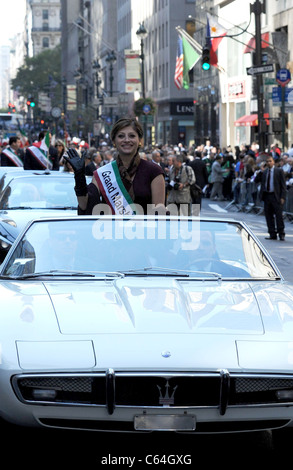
97, 69
64, 94
111, 59
142, 34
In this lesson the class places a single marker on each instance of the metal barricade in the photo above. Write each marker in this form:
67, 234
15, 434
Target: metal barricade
288, 206
247, 199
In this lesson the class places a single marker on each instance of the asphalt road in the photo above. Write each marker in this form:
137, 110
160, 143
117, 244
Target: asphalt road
74, 449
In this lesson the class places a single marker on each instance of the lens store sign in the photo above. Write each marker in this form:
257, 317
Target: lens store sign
182, 108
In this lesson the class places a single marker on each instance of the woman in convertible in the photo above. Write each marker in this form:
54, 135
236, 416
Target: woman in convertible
128, 184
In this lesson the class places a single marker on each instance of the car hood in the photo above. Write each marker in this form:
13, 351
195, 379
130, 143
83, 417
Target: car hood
153, 323
149, 305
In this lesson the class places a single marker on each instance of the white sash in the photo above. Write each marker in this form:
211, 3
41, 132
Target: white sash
8, 152
113, 190
40, 156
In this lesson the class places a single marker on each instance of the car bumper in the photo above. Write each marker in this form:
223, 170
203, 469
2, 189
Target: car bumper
187, 402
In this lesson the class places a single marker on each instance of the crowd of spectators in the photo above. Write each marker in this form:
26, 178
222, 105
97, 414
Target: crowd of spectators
220, 173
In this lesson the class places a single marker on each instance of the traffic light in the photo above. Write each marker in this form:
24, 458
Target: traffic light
205, 61
30, 102
11, 108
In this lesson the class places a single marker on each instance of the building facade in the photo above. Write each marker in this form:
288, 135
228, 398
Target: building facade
93, 31
45, 24
239, 90
220, 104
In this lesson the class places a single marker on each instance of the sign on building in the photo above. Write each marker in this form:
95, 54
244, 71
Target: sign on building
44, 102
132, 71
71, 97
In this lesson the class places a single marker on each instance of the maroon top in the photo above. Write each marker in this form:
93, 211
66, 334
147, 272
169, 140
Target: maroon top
145, 173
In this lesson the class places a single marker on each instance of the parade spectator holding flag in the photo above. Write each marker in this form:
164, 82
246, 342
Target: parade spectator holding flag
41, 155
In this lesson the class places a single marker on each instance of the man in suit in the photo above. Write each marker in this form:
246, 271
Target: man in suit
201, 175
12, 155
273, 193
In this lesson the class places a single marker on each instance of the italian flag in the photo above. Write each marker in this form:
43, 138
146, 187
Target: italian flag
45, 143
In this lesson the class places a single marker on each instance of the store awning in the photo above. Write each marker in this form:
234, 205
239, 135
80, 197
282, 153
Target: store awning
250, 120
250, 46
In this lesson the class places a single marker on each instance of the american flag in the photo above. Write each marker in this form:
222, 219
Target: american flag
178, 77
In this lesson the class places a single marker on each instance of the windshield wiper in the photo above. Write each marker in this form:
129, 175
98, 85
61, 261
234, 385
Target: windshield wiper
171, 272
64, 272
61, 208
16, 208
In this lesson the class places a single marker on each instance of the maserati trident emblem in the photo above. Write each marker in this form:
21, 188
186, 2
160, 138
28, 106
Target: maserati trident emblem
167, 399
166, 353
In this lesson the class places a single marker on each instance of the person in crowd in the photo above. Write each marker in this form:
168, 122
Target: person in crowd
36, 159
228, 164
123, 183
67, 168
95, 161
181, 178
12, 155
275, 152
273, 193
237, 152
143, 155
208, 147
156, 157
60, 147
108, 156
208, 161
217, 179
286, 165
249, 171
239, 177
201, 176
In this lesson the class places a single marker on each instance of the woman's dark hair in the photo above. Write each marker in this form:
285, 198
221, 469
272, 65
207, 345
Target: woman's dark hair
125, 122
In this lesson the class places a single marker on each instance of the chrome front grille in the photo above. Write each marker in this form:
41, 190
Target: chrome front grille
115, 389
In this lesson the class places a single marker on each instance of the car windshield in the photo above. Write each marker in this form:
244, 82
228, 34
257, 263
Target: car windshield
38, 191
138, 246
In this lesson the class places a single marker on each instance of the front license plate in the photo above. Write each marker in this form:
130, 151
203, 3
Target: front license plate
164, 423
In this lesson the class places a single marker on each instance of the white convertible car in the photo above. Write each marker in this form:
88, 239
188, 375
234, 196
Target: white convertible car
144, 324
26, 195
